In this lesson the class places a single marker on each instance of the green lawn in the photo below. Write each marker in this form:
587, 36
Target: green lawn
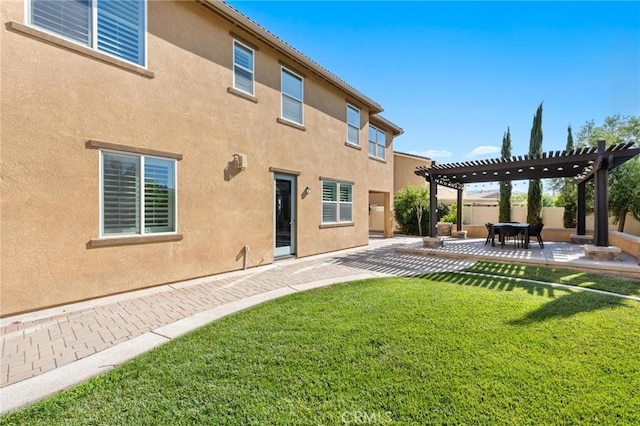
436, 350
617, 285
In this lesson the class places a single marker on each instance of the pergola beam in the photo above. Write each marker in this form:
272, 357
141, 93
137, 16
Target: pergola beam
576, 163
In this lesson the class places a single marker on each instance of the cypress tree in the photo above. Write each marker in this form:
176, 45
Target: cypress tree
534, 199
569, 192
505, 187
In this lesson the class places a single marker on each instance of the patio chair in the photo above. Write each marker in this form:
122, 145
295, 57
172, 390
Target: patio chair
488, 240
536, 231
512, 232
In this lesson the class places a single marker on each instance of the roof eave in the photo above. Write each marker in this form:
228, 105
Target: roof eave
397, 131
413, 156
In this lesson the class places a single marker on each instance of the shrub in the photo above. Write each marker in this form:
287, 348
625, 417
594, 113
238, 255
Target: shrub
405, 203
452, 216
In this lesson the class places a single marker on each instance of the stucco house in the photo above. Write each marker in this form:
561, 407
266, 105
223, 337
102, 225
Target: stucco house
149, 142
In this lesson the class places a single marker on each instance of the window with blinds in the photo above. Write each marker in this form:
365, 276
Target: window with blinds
337, 202
117, 27
377, 142
120, 194
353, 125
138, 194
242, 68
292, 96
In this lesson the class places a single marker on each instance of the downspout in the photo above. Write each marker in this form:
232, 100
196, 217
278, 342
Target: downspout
246, 257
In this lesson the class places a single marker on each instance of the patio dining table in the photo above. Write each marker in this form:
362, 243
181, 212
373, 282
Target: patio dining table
524, 227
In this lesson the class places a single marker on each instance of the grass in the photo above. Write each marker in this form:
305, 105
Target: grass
619, 285
436, 350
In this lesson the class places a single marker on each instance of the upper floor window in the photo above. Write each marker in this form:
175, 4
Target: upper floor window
115, 27
292, 96
242, 68
377, 142
138, 194
337, 202
353, 125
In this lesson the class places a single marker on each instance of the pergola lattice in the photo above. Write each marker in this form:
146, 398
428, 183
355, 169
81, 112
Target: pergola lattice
583, 164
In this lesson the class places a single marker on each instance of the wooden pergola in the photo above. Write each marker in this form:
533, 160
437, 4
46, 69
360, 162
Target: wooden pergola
583, 164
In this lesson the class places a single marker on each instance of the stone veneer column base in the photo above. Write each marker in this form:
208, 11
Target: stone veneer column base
610, 253
459, 234
432, 242
581, 239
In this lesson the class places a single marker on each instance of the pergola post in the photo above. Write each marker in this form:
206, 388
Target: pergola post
433, 208
459, 218
601, 212
581, 226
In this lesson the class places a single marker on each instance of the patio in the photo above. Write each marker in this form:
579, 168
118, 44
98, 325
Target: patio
554, 254
583, 164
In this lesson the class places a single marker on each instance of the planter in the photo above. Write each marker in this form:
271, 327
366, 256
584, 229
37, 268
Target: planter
459, 234
432, 242
444, 229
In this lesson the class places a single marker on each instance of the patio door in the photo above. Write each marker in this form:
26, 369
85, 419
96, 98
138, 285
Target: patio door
284, 189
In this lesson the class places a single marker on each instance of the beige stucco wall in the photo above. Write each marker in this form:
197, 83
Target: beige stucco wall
403, 172
403, 175
54, 100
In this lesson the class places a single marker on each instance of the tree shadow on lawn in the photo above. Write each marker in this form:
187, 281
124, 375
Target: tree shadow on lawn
619, 285
564, 303
573, 303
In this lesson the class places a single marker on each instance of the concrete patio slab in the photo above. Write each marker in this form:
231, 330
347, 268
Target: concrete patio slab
554, 254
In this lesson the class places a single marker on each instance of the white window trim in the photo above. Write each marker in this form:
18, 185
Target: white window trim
252, 72
377, 144
337, 203
349, 106
94, 32
282, 95
101, 196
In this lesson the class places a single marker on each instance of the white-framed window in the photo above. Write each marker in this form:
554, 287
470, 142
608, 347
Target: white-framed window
353, 125
292, 96
115, 27
337, 202
137, 194
243, 65
377, 142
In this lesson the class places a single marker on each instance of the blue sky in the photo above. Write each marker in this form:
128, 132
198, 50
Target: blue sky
454, 75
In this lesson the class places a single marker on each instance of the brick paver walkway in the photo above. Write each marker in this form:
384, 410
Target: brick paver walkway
33, 346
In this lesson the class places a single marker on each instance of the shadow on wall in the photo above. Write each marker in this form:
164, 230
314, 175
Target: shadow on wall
231, 170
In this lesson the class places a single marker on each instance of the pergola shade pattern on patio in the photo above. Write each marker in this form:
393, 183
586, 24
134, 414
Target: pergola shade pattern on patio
583, 164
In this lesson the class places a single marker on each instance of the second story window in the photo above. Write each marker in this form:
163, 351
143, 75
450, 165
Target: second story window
353, 125
292, 96
242, 68
115, 27
377, 142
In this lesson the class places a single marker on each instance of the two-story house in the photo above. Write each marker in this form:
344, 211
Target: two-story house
149, 142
